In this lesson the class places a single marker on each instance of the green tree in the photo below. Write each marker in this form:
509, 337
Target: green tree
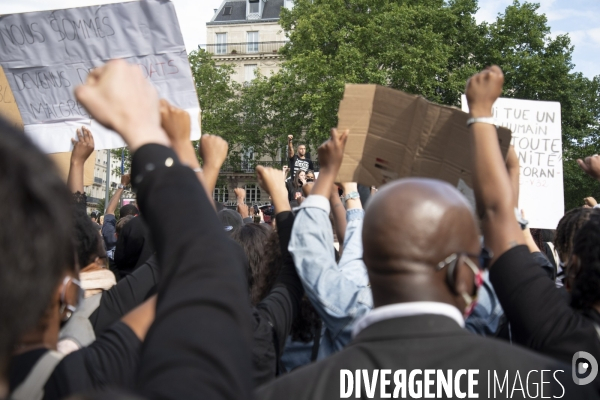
537, 67
428, 48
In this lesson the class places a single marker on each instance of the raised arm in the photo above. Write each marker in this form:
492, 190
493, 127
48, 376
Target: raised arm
290, 147
514, 172
240, 195
83, 147
114, 200
199, 344
213, 150
283, 302
311, 246
491, 183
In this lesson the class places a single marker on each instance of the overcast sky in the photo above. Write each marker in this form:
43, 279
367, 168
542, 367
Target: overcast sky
579, 18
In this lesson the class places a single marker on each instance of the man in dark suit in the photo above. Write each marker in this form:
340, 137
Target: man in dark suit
421, 248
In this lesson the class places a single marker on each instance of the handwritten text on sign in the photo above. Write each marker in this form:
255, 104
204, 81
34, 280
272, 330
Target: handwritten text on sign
536, 137
46, 54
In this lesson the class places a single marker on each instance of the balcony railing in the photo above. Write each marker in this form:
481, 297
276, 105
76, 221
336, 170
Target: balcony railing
226, 49
248, 166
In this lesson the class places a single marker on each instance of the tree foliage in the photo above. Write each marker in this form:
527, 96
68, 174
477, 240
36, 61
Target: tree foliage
424, 47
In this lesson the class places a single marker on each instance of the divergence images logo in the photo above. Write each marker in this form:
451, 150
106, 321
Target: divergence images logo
583, 367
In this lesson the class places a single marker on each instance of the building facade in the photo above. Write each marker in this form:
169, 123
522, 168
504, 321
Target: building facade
97, 191
246, 34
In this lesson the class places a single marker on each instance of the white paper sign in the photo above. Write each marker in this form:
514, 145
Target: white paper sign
536, 136
46, 54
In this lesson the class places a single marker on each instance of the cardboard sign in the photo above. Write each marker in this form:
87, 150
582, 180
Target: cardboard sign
10, 112
46, 54
537, 139
397, 135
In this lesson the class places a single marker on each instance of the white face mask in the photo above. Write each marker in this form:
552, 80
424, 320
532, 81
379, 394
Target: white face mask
66, 310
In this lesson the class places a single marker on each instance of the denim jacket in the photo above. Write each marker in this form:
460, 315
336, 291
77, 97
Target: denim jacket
340, 292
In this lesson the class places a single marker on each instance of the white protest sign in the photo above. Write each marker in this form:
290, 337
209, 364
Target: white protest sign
46, 54
536, 137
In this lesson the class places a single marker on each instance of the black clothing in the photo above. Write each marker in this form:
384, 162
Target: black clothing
422, 342
199, 344
297, 163
292, 190
134, 246
540, 314
273, 316
126, 295
111, 360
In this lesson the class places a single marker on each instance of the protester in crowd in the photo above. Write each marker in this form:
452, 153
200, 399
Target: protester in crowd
275, 289
37, 370
422, 264
540, 316
294, 187
300, 161
310, 175
95, 218
567, 227
254, 240
36, 245
110, 221
134, 245
311, 246
199, 345
101, 221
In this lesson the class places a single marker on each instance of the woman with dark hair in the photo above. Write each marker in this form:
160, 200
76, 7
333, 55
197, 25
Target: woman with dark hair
294, 187
275, 289
261, 246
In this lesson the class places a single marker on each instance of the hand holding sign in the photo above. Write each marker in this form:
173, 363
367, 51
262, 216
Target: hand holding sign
119, 97
483, 89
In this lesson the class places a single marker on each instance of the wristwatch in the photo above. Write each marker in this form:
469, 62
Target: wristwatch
351, 195
120, 186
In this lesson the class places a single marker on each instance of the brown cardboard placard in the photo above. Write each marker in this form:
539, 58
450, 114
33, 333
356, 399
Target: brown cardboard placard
397, 135
10, 112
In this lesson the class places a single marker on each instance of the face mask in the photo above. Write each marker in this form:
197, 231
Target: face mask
451, 261
66, 310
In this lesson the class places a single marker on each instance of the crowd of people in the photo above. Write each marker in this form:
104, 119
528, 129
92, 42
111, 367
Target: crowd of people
334, 291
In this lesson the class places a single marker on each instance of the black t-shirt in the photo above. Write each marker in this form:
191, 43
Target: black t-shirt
112, 360
300, 164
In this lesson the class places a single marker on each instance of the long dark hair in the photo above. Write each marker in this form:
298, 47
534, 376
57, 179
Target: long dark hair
261, 246
296, 182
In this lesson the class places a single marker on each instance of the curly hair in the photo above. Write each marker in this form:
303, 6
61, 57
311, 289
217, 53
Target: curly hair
87, 239
585, 292
568, 226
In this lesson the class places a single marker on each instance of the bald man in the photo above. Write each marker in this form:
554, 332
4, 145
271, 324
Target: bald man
422, 262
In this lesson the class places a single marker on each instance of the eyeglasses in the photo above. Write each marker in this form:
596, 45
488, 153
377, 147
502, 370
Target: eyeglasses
66, 309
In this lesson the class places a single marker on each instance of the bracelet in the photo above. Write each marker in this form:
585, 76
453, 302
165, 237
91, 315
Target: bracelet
197, 169
351, 195
483, 120
120, 186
